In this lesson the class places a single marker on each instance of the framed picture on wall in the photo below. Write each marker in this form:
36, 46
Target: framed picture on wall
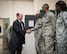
29, 21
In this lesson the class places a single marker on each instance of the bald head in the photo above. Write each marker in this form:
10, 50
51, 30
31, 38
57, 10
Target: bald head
19, 16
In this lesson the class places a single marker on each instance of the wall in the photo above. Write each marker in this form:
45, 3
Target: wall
50, 2
10, 8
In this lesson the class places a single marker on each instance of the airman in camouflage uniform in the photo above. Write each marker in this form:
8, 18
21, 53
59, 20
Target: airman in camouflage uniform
47, 41
61, 28
37, 32
47, 26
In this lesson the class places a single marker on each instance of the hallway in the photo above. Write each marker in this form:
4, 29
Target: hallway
28, 48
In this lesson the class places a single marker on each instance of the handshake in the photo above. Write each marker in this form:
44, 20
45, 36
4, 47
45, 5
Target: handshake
28, 31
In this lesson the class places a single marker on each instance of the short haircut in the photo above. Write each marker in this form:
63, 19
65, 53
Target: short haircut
17, 14
46, 5
62, 5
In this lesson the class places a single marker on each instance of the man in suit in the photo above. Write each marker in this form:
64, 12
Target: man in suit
18, 35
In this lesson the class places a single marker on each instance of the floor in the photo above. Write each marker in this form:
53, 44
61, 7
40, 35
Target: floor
6, 51
29, 47
1, 49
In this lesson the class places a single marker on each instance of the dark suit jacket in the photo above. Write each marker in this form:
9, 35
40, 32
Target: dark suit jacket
18, 35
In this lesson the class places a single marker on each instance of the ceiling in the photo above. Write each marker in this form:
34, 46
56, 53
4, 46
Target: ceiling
16, 0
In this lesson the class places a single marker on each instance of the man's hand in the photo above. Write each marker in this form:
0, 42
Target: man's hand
28, 31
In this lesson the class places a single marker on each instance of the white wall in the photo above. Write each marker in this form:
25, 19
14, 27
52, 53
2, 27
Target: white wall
24, 7
50, 2
6, 10
10, 8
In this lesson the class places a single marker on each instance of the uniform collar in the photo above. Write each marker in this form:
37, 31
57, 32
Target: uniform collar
46, 14
60, 13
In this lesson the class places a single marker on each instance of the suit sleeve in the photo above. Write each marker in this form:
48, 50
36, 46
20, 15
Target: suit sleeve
18, 29
37, 26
